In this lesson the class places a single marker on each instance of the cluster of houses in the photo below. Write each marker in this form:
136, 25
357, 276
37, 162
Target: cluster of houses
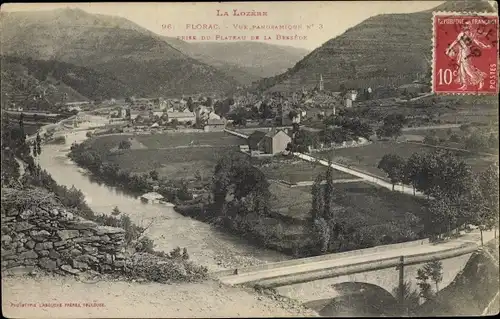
160, 112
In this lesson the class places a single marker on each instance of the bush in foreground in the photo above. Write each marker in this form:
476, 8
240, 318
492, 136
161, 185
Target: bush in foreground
163, 269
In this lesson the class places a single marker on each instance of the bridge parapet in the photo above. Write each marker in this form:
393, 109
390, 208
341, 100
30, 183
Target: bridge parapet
360, 267
300, 261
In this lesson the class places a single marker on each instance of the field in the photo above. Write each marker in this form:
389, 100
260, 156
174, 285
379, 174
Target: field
375, 205
291, 202
103, 144
171, 164
366, 158
171, 140
296, 170
172, 155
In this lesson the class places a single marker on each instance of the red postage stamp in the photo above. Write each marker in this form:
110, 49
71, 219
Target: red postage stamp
465, 53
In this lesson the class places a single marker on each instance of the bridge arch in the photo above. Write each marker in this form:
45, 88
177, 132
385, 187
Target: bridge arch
357, 299
318, 294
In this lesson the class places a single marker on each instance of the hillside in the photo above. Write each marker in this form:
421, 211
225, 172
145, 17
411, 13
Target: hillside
384, 49
111, 45
57, 81
246, 61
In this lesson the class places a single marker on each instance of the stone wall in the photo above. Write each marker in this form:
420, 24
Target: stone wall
38, 231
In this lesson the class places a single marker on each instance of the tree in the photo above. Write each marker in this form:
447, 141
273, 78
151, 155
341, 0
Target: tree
174, 123
431, 139
483, 198
208, 102
443, 172
239, 184
239, 116
476, 142
493, 140
329, 194
292, 114
21, 127
343, 89
411, 296
175, 253
266, 111
197, 175
317, 206
324, 213
124, 145
185, 254
38, 143
393, 165
322, 230
413, 170
434, 270
223, 107
35, 150
425, 287
154, 175
116, 211
190, 104
183, 192
443, 213
392, 126
302, 140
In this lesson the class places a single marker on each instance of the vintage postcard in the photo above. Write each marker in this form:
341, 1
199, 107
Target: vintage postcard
249, 159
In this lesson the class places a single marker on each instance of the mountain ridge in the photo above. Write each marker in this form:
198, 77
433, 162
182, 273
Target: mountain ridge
386, 49
95, 41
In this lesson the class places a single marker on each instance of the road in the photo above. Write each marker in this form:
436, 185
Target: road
367, 177
311, 266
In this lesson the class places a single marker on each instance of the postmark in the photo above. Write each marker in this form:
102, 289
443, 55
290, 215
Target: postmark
465, 53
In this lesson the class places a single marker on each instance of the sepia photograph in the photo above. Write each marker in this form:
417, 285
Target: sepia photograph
250, 159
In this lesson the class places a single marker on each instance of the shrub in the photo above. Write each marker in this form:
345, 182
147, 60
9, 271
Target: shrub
455, 138
431, 140
145, 244
163, 269
124, 145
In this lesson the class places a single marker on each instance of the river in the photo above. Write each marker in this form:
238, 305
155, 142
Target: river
206, 245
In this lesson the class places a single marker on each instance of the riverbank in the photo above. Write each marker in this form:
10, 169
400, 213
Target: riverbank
146, 300
206, 245
288, 233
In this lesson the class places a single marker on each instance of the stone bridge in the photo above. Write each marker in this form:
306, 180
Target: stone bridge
315, 281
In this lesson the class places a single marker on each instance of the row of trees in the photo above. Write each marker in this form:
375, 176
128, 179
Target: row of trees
458, 194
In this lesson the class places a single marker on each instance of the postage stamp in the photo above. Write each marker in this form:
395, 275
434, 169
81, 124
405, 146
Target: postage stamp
465, 53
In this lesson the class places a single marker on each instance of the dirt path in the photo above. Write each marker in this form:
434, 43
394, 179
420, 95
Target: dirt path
71, 298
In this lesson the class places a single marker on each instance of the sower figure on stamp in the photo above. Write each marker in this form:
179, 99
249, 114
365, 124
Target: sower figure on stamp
467, 74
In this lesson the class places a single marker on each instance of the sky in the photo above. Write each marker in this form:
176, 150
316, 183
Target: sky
309, 23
